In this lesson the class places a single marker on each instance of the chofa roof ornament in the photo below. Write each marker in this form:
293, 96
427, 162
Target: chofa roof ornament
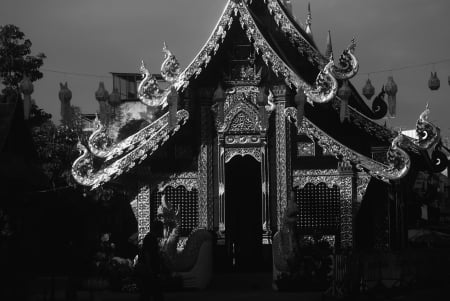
348, 63
428, 133
170, 68
149, 91
325, 87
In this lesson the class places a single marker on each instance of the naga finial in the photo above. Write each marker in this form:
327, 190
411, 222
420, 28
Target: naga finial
143, 69
325, 87
348, 64
170, 68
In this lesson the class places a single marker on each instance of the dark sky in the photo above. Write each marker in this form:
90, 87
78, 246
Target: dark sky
101, 36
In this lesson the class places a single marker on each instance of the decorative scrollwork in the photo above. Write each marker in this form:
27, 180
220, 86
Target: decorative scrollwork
188, 180
240, 111
348, 64
325, 88
85, 174
399, 161
231, 152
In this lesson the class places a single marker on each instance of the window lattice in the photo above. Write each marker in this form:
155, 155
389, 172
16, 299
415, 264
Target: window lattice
180, 196
319, 208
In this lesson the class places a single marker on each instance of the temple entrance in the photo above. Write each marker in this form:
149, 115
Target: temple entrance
243, 210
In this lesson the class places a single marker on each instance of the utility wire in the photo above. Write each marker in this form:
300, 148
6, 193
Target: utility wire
365, 73
75, 73
406, 67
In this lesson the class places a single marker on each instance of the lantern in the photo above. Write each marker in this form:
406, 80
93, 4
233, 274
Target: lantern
434, 83
300, 99
344, 93
391, 90
368, 90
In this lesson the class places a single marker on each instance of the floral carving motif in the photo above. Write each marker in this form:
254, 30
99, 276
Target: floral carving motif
188, 180
231, 152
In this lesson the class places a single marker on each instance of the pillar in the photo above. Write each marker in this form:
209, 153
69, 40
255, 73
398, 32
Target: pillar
205, 170
282, 147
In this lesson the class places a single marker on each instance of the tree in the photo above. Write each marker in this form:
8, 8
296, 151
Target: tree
16, 59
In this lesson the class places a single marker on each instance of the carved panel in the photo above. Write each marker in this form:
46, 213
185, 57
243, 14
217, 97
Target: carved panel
242, 123
281, 152
188, 180
205, 205
242, 139
306, 149
143, 211
255, 152
361, 185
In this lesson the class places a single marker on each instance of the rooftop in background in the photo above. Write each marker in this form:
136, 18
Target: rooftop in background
127, 84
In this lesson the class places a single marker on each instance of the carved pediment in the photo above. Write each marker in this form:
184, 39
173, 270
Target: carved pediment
242, 122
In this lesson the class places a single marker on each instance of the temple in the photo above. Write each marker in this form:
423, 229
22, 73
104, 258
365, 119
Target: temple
261, 127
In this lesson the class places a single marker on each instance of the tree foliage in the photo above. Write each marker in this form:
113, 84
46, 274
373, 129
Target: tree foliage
16, 59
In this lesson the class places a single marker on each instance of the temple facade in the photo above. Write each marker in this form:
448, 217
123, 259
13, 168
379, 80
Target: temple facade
261, 123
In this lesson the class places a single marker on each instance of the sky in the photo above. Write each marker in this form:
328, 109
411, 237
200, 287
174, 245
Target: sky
84, 40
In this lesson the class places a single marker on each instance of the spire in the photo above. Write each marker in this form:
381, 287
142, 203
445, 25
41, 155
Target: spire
308, 21
329, 47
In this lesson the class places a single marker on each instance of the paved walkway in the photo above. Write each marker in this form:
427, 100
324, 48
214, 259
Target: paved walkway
245, 287
223, 287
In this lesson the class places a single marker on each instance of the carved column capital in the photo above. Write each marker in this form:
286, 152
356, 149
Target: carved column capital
279, 92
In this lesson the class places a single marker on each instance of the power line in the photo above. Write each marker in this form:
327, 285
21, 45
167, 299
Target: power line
75, 73
406, 67
365, 73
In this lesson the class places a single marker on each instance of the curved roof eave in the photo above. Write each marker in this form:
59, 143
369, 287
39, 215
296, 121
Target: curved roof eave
303, 46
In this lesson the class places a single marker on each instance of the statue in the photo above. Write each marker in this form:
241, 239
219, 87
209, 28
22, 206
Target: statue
185, 261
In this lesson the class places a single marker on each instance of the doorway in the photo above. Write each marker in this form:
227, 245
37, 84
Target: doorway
243, 210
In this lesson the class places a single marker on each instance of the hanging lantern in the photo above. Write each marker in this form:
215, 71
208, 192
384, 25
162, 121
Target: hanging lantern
391, 90
300, 99
344, 93
368, 90
434, 83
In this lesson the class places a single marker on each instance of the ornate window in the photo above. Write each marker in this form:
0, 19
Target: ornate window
319, 208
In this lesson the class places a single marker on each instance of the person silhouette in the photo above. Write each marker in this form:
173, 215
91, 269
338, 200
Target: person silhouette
148, 267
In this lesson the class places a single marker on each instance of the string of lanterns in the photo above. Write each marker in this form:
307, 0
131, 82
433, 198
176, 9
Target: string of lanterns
390, 87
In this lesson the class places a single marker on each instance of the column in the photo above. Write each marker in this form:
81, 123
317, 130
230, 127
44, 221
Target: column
282, 165
266, 223
143, 211
205, 187
221, 188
